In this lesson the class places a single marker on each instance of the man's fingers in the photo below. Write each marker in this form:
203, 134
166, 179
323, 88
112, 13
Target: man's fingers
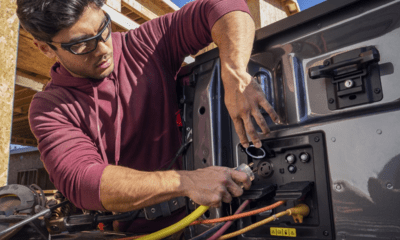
241, 177
251, 131
240, 130
227, 198
261, 121
270, 110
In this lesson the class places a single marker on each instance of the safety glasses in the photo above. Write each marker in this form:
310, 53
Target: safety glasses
88, 45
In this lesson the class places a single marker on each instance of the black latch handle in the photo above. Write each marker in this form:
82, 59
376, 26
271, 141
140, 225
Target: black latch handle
345, 68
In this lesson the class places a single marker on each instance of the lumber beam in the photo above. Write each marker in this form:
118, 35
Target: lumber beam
30, 59
24, 81
115, 4
24, 141
119, 19
139, 9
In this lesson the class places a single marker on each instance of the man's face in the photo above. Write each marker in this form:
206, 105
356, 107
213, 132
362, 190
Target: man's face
97, 64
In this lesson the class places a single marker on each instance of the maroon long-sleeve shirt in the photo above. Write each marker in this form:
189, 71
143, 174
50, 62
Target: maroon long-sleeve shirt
128, 118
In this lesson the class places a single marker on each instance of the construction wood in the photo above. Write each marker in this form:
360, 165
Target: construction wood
139, 9
30, 58
115, 4
8, 61
120, 19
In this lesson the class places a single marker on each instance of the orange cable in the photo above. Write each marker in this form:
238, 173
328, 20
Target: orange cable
237, 216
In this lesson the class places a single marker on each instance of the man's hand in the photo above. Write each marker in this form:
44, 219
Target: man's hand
243, 99
210, 186
234, 35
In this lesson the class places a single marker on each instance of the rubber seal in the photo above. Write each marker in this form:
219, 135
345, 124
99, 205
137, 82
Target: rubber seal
256, 157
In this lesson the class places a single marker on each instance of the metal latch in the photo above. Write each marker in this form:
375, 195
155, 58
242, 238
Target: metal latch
352, 78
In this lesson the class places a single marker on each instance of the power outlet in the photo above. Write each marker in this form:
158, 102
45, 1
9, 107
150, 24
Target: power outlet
265, 169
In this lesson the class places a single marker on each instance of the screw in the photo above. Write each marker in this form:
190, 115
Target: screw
316, 139
326, 233
377, 90
188, 129
327, 63
153, 210
333, 139
389, 186
338, 187
331, 100
379, 131
349, 83
175, 202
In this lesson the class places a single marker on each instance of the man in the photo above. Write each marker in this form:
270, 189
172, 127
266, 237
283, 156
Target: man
106, 122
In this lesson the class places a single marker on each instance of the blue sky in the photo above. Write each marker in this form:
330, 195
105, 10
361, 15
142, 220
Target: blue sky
304, 4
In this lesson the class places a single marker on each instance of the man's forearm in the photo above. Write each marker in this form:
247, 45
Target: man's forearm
234, 35
123, 189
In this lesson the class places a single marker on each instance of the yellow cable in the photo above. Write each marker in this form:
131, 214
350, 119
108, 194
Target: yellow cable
298, 212
163, 233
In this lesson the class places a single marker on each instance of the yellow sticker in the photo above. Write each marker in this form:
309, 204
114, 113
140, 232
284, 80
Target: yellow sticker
283, 232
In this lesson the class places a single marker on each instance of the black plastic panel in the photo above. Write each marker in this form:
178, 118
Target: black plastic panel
292, 185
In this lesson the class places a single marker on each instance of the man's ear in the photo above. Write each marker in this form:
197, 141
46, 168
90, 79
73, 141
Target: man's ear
45, 48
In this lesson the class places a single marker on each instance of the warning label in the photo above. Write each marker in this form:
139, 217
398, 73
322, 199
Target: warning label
283, 232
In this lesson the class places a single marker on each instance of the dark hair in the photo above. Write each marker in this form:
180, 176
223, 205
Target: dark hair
45, 18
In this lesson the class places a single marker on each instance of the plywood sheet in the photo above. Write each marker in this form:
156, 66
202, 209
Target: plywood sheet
8, 57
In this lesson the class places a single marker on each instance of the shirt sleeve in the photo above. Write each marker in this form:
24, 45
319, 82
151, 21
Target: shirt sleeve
174, 36
69, 155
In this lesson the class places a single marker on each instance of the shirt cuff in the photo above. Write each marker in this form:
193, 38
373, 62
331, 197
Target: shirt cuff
90, 188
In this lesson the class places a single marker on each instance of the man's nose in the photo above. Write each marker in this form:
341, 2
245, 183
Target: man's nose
102, 48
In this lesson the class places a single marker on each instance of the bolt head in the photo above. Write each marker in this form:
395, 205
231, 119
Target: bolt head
377, 90
326, 233
327, 63
153, 210
379, 131
331, 100
389, 186
349, 83
316, 139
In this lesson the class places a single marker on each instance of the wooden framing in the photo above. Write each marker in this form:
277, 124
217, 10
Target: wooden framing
115, 4
119, 19
132, 6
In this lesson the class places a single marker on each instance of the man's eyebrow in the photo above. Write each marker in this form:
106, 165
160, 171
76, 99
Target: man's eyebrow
77, 39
